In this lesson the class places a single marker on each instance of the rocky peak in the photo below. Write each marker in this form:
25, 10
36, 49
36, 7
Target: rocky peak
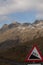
14, 24
5, 27
38, 21
26, 24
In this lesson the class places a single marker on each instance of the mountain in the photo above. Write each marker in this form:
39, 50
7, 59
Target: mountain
7, 27
18, 38
26, 24
12, 25
24, 32
38, 23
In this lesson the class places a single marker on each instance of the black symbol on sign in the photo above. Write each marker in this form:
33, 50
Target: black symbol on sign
33, 57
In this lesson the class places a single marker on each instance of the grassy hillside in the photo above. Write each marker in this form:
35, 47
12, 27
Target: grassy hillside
4, 63
19, 53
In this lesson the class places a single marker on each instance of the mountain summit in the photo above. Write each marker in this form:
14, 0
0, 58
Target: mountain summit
38, 21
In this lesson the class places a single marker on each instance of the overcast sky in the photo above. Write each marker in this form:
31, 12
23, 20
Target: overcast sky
20, 10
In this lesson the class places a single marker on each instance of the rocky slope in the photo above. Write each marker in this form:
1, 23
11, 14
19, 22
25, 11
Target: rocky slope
17, 33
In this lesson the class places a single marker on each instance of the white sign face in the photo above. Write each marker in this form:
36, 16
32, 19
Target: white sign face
33, 64
35, 54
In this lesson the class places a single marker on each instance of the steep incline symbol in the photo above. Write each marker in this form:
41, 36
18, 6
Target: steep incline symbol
34, 55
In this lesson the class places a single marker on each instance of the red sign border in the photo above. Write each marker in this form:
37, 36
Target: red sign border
26, 60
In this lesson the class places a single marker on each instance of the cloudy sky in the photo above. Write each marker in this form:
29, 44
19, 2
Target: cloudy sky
20, 10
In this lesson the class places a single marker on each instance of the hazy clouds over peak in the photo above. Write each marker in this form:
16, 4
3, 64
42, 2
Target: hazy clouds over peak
10, 6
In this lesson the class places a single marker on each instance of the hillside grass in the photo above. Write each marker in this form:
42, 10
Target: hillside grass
19, 53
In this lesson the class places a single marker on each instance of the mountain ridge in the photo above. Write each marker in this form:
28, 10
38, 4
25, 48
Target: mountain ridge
21, 32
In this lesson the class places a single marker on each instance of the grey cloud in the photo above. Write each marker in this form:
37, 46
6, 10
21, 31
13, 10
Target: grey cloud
11, 6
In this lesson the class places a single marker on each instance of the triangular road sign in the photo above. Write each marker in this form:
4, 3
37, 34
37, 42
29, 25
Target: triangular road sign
34, 56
